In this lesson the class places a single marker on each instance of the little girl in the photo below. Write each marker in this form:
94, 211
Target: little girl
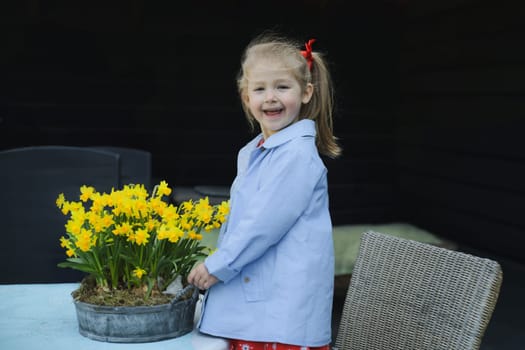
270, 282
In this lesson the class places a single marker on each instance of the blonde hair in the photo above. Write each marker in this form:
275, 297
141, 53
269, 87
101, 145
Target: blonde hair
320, 107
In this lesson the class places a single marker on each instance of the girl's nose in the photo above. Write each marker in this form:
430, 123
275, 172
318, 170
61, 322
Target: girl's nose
270, 96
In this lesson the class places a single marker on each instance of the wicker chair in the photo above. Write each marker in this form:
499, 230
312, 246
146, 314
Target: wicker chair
411, 295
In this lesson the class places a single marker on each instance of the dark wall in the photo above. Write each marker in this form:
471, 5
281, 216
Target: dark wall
161, 76
461, 150
429, 98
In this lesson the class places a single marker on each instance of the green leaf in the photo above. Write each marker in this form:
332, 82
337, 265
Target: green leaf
77, 266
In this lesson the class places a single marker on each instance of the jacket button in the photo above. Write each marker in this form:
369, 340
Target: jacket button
246, 279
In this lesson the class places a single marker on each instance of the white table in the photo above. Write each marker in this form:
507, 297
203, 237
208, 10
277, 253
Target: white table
42, 316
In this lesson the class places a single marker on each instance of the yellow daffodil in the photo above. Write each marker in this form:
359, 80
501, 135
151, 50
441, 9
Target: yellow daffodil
84, 240
86, 192
127, 237
163, 189
141, 236
138, 272
60, 200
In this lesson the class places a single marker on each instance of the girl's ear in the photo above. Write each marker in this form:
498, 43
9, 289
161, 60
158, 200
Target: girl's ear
245, 99
308, 92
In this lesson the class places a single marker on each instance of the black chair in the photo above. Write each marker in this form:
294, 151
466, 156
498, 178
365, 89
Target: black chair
31, 179
135, 165
215, 194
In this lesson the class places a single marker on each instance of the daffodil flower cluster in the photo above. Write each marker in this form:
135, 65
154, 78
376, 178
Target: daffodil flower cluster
128, 238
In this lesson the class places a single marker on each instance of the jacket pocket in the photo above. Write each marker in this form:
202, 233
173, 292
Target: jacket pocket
252, 284
256, 278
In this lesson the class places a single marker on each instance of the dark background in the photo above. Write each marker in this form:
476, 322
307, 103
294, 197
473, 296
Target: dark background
430, 98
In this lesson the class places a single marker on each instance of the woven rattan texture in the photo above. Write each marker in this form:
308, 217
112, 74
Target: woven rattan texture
411, 295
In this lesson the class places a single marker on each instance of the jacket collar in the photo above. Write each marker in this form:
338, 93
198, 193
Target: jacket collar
304, 127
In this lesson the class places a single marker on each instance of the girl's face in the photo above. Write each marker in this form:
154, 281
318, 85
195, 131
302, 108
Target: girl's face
274, 96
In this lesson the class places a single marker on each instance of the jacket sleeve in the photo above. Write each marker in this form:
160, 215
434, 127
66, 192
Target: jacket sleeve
287, 184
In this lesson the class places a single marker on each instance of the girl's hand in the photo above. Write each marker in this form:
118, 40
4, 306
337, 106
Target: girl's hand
201, 278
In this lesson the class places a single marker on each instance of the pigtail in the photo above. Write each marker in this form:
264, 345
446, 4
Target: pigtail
321, 106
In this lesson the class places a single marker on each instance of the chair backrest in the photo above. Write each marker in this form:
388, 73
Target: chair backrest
135, 165
31, 178
405, 294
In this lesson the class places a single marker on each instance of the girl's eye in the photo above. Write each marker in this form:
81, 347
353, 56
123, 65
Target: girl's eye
283, 87
258, 89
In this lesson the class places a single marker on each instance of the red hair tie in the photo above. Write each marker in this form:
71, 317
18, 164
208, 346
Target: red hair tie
308, 53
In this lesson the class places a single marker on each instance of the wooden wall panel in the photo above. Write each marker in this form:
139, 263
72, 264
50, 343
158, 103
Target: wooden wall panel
161, 76
490, 203
430, 98
500, 80
456, 166
460, 150
469, 229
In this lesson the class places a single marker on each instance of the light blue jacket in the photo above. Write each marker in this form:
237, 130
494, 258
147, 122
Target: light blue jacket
275, 257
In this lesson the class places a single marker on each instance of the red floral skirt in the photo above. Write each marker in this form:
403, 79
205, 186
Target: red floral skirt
255, 345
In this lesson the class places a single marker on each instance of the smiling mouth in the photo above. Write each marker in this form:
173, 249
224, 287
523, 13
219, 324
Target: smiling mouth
273, 112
